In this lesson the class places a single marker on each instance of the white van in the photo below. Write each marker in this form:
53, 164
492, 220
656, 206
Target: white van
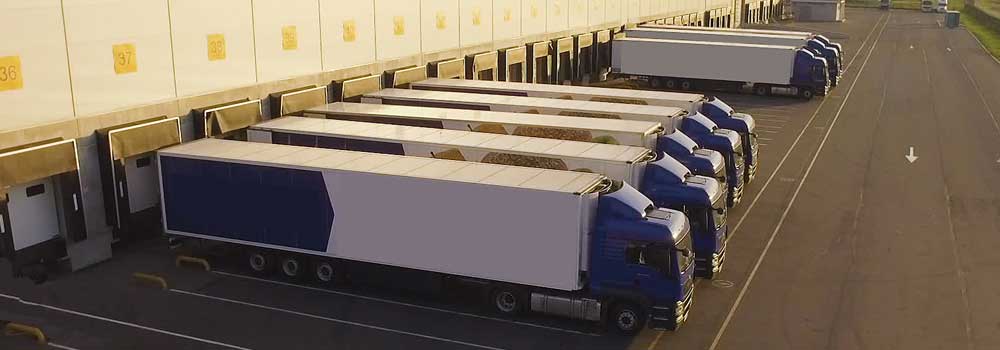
926, 6
942, 6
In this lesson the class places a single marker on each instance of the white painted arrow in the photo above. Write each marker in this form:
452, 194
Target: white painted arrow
949, 49
911, 47
910, 157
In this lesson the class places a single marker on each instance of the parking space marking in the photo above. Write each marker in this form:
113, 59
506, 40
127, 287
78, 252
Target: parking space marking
768, 126
795, 194
399, 303
334, 320
768, 131
61, 347
123, 323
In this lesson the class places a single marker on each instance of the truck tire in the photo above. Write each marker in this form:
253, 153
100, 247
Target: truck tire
627, 318
506, 300
292, 266
806, 93
686, 85
655, 82
670, 84
260, 261
326, 272
761, 90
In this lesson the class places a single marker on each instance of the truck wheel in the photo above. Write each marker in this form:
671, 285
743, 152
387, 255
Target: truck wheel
506, 301
686, 85
655, 83
627, 318
260, 261
670, 84
806, 94
326, 272
292, 266
761, 90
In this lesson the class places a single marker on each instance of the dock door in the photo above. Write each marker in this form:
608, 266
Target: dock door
41, 206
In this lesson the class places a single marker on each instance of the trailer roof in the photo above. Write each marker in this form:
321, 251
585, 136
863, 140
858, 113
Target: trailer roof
715, 32
560, 89
455, 138
464, 115
309, 158
708, 43
736, 30
520, 101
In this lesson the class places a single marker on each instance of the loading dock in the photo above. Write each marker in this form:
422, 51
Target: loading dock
41, 209
481, 66
129, 175
539, 63
513, 64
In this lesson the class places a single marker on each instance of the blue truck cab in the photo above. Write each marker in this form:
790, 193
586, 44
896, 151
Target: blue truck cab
840, 49
727, 142
724, 116
641, 254
700, 161
668, 184
831, 55
810, 74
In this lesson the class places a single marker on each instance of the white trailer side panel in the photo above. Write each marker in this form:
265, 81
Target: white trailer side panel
806, 35
701, 60
667, 116
515, 235
714, 36
622, 132
685, 101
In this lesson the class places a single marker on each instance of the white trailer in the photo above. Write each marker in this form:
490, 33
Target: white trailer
623, 163
690, 102
534, 238
765, 69
806, 35
669, 117
810, 42
622, 132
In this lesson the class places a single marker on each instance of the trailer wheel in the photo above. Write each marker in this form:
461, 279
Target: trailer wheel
671, 84
292, 266
260, 261
627, 318
506, 301
655, 83
686, 85
806, 93
761, 90
326, 272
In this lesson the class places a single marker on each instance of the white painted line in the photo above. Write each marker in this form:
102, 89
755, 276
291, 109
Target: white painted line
399, 303
795, 195
62, 347
767, 131
982, 98
764, 139
334, 320
995, 59
123, 323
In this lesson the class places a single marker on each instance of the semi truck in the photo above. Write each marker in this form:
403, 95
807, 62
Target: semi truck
710, 106
826, 41
649, 135
556, 242
812, 44
764, 69
726, 142
665, 181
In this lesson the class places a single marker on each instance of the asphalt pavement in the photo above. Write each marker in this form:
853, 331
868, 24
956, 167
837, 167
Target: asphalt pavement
840, 242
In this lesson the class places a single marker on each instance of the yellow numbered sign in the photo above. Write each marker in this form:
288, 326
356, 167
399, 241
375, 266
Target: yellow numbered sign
10, 73
398, 25
289, 38
125, 58
350, 31
441, 20
534, 11
477, 17
557, 7
507, 14
216, 47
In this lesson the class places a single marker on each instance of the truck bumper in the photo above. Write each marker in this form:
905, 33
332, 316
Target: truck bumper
709, 264
671, 317
736, 194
